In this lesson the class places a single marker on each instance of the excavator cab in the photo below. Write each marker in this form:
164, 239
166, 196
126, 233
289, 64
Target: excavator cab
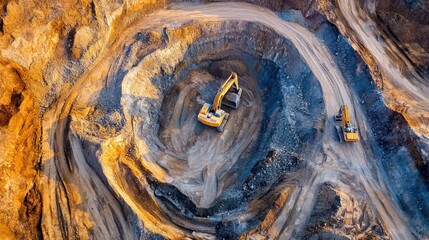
229, 94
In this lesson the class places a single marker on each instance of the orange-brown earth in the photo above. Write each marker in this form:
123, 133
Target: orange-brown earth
99, 137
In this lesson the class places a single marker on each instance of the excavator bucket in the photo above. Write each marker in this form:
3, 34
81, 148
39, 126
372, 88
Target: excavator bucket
232, 99
339, 131
339, 116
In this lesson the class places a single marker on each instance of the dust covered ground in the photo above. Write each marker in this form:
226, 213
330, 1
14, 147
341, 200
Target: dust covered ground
100, 137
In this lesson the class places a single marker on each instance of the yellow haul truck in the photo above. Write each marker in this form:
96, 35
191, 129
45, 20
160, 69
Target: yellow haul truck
347, 131
229, 95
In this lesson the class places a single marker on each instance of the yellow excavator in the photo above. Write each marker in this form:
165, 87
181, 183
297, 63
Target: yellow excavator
229, 94
347, 132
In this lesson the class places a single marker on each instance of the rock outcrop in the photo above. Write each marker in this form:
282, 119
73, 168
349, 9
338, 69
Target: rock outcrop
99, 137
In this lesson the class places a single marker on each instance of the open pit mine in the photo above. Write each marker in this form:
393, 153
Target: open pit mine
255, 119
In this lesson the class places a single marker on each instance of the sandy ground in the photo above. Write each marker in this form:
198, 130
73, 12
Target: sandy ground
185, 149
192, 149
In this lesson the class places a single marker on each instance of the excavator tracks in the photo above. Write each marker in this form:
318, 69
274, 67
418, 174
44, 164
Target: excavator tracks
222, 126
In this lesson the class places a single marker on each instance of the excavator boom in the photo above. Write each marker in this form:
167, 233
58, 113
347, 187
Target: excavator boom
232, 81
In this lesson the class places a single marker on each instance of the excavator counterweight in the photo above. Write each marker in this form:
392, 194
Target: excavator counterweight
229, 94
347, 132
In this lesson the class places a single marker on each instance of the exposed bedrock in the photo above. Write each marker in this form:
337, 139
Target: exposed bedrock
19, 156
379, 32
338, 213
406, 22
98, 123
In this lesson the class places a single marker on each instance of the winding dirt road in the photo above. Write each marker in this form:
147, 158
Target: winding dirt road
407, 85
62, 171
388, 56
